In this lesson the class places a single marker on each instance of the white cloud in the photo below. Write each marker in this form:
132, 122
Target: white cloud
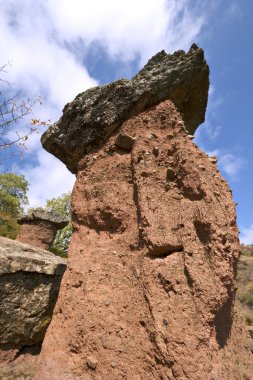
212, 127
38, 36
34, 35
229, 162
211, 130
48, 179
246, 235
128, 28
40, 65
231, 165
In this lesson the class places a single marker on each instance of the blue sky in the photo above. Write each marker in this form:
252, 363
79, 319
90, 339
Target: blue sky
60, 48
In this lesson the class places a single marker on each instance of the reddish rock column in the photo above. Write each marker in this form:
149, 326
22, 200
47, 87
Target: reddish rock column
39, 228
149, 290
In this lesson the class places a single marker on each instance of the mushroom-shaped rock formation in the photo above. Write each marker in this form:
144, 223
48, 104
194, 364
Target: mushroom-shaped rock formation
39, 228
94, 114
150, 285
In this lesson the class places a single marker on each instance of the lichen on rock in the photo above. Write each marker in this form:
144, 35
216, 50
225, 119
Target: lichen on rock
29, 284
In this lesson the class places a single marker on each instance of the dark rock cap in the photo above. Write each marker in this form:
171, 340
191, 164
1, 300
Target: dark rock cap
38, 214
94, 114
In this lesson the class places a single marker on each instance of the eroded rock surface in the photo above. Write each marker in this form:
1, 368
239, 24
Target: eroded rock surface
93, 116
29, 285
18, 362
149, 290
39, 229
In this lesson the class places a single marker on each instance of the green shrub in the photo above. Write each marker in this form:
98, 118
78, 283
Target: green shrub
247, 297
249, 321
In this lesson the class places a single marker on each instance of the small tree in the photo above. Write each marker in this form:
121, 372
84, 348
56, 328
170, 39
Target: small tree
62, 206
13, 196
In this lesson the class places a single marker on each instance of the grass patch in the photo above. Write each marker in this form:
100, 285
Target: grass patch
247, 250
247, 297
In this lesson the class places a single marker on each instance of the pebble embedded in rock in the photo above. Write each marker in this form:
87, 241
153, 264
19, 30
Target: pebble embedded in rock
170, 174
170, 151
92, 362
155, 151
213, 159
125, 142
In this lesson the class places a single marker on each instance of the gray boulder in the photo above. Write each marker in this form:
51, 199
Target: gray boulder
94, 114
39, 214
29, 284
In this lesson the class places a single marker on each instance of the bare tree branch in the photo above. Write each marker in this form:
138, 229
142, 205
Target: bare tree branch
13, 110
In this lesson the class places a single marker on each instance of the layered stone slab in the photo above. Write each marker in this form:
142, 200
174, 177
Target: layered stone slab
29, 284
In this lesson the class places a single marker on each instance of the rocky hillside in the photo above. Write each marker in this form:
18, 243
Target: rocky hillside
244, 293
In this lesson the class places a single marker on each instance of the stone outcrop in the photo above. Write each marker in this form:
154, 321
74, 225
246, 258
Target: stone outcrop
93, 116
150, 285
39, 229
29, 284
244, 295
18, 362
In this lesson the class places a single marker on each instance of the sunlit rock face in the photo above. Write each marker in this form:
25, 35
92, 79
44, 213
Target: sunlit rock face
150, 285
